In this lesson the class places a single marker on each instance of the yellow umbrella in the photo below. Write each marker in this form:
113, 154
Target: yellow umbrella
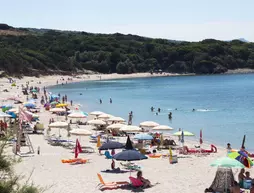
61, 105
99, 141
170, 155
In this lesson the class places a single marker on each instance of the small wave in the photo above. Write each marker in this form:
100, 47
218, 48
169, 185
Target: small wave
206, 110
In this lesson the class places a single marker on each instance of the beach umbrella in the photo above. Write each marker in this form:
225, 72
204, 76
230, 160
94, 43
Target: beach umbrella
14, 110
58, 124
57, 110
115, 126
129, 155
96, 113
243, 142
12, 114
116, 119
242, 157
162, 128
148, 124
143, 136
227, 162
29, 105
185, 133
96, 122
98, 141
182, 137
76, 115
34, 90
201, 137
111, 145
81, 132
61, 105
130, 128
128, 144
104, 116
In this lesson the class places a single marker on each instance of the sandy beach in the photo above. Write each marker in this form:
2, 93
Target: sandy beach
192, 173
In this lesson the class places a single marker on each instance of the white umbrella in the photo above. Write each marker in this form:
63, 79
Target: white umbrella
148, 124
14, 110
4, 115
32, 114
57, 110
96, 113
81, 132
162, 128
96, 122
58, 124
116, 119
130, 128
76, 115
105, 116
115, 126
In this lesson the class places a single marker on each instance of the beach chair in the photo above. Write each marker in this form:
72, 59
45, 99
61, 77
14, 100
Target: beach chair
136, 183
107, 154
110, 185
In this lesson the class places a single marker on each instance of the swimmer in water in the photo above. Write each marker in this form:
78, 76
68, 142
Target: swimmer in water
100, 101
152, 109
193, 110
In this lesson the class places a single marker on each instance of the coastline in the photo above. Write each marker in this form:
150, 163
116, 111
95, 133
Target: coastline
47, 170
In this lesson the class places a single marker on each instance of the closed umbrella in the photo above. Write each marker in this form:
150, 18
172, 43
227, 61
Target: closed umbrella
98, 141
201, 137
162, 128
243, 142
143, 136
111, 145
148, 124
130, 128
182, 138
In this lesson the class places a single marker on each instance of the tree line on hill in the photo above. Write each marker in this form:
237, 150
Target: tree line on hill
64, 52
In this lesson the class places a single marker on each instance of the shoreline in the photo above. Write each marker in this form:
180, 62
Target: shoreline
47, 169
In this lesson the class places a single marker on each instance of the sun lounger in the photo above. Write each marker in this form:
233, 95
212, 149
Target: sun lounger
136, 182
110, 185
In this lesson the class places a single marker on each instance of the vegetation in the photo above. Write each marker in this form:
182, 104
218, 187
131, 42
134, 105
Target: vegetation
43, 51
8, 180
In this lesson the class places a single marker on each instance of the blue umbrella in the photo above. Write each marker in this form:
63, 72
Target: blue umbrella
143, 137
182, 137
29, 105
12, 114
129, 155
111, 145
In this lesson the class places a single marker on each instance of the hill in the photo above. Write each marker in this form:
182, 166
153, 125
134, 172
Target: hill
45, 51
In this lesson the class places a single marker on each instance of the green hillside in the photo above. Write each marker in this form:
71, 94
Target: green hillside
41, 51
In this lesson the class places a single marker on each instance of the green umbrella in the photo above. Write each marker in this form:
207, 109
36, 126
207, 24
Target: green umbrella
185, 133
227, 162
54, 103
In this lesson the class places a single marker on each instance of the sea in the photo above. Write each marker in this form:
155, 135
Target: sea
224, 104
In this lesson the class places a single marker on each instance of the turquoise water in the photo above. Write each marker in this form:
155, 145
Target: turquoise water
223, 103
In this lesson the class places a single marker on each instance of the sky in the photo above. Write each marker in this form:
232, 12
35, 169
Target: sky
190, 20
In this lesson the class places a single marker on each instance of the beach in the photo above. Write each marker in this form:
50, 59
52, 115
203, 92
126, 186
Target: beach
192, 173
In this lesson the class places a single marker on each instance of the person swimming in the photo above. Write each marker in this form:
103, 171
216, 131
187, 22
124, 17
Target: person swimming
193, 110
152, 108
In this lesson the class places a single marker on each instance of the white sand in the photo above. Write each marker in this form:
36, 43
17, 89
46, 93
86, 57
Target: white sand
192, 174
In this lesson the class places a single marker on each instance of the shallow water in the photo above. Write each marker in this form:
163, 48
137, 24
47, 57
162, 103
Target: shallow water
223, 103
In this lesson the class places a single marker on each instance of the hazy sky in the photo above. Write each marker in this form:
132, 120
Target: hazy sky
191, 20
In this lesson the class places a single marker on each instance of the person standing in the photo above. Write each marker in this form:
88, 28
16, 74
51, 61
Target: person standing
100, 101
110, 100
